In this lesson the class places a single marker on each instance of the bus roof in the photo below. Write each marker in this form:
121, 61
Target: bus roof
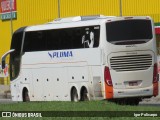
79, 18
78, 21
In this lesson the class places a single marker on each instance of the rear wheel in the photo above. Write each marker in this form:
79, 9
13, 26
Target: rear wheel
74, 95
84, 95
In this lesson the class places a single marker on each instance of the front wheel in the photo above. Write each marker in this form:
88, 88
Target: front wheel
26, 96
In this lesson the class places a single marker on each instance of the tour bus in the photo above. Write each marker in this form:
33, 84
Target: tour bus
84, 58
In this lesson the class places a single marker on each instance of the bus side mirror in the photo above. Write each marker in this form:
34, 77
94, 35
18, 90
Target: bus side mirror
3, 59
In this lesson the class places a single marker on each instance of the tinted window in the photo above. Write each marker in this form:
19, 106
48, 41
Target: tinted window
15, 57
129, 30
58, 39
34, 41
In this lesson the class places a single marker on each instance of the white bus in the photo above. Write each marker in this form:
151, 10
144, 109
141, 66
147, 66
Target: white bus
84, 58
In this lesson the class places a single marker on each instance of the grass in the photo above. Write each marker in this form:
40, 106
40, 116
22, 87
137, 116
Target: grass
73, 106
108, 107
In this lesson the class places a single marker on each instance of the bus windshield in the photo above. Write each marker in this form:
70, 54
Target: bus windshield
129, 31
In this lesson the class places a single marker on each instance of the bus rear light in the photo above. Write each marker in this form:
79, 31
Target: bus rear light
107, 76
155, 73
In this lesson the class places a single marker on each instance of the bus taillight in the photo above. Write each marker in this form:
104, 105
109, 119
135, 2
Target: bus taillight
107, 76
155, 73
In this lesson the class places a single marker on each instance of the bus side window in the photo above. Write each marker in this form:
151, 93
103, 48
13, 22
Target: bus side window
59, 39
77, 38
96, 36
90, 37
34, 41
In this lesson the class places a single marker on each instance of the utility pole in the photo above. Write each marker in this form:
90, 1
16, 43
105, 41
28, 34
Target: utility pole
11, 19
120, 6
59, 8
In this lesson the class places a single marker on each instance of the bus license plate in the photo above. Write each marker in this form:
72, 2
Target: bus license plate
133, 83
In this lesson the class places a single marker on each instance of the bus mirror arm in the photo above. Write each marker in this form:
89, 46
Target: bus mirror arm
3, 58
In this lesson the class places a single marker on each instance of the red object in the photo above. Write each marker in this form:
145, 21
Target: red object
5, 6
155, 73
108, 83
107, 76
157, 30
155, 80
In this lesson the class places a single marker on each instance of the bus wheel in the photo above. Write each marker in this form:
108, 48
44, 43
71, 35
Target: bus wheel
25, 95
74, 95
84, 94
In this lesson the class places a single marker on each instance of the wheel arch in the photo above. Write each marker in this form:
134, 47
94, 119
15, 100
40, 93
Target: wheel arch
71, 90
83, 88
24, 90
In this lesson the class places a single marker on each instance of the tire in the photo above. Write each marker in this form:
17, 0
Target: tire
26, 96
84, 95
74, 95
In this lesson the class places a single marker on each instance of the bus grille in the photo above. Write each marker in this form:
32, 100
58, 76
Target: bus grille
131, 62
